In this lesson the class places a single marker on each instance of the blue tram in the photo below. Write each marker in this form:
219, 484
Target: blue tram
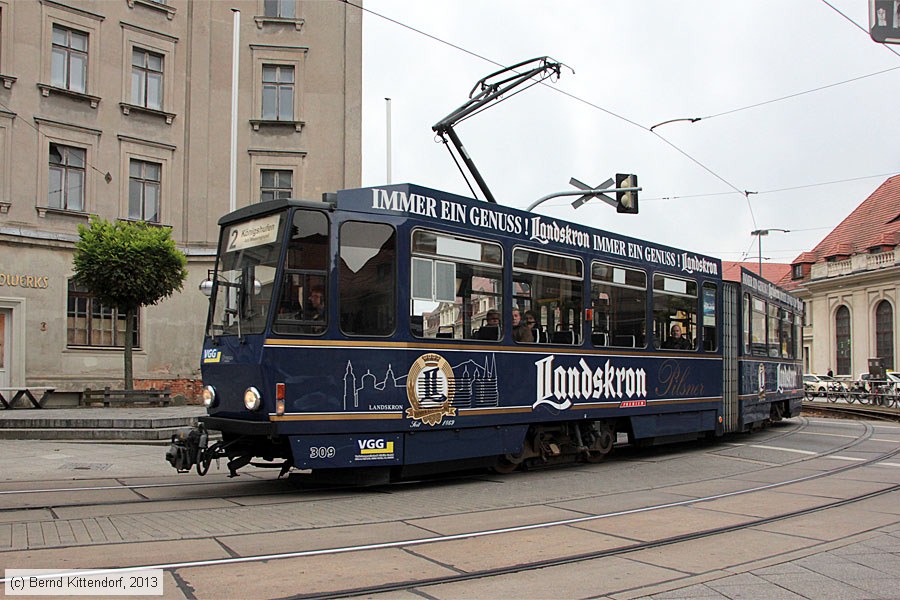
402, 330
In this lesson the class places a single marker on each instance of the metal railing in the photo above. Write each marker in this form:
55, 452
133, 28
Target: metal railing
866, 392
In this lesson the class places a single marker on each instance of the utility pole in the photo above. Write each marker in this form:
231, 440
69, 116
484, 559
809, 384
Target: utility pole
759, 233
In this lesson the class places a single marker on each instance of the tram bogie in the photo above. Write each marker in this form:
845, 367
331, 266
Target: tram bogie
377, 332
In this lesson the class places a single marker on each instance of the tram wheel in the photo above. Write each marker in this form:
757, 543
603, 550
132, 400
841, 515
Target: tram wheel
603, 443
505, 465
776, 412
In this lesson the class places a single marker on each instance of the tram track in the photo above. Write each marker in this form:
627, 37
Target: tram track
287, 487
410, 584
294, 487
588, 556
844, 410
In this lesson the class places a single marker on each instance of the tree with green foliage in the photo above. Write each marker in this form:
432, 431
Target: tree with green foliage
127, 265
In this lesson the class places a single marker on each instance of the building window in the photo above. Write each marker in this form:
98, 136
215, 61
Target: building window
66, 181
143, 190
280, 9
70, 58
89, 323
884, 333
278, 93
797, 272
842, 340
275, 184
146, 79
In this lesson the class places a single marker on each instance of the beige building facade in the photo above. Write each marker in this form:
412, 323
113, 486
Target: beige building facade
121, 109
850, 284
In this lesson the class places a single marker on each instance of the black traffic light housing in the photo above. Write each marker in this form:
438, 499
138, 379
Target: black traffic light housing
627, 202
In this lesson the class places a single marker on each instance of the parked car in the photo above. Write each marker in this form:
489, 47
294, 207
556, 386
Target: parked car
822, 386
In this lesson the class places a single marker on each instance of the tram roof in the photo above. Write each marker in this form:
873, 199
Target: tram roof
471, 216
451, 211
270, 206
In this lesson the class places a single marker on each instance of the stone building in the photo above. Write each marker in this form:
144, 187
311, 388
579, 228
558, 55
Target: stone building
850, 284
121, 108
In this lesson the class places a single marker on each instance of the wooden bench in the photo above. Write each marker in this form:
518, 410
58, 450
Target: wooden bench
27, 392
109, 397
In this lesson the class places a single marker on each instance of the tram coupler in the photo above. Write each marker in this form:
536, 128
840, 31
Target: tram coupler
188, 448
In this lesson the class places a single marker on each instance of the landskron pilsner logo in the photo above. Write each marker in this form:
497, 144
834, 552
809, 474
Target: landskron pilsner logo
429, 388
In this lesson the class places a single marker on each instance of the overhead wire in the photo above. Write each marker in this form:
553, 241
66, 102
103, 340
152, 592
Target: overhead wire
568, 94
107, 175
736, 189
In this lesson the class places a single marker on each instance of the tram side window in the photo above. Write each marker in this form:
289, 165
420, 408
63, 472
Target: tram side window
745, 314
757, 327
553, 285
710, 298
619, 298
674, 313
773, 340
367, 278
303, 303
787, 333
457, 287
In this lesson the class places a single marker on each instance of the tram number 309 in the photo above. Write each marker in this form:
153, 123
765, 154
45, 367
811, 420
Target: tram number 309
322, 452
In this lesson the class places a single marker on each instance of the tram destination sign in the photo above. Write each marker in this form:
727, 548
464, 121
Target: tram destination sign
450, 209
253, 233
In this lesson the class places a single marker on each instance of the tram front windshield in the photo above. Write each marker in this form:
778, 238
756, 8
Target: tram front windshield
245, 276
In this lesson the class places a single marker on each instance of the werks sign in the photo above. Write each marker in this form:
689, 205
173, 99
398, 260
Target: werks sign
26, 281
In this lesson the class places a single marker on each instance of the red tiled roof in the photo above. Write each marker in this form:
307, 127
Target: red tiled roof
777, 273
871, 224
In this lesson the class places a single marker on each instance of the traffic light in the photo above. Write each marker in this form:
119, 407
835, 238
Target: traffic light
626, 202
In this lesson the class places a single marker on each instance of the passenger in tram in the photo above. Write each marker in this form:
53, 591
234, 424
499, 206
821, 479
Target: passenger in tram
521, 331
525, 333
531, 323
491, 328
676, 341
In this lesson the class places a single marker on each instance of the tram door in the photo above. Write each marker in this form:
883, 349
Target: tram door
5, 327
732, 327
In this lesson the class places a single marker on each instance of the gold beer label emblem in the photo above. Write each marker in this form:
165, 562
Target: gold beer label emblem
429, 388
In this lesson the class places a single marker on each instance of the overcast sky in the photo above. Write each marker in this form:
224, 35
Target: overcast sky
644, 62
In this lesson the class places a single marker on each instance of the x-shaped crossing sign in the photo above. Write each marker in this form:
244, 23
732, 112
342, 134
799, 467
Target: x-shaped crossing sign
593, 192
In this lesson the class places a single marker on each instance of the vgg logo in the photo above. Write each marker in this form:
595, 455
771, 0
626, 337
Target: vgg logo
373, 444
211, 355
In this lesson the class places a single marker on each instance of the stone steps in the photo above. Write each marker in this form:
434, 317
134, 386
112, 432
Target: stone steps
144, 424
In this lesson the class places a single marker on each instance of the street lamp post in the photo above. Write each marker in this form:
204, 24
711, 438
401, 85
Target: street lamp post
759, 233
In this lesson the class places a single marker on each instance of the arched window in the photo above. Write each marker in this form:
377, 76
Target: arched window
884, 333
842, 337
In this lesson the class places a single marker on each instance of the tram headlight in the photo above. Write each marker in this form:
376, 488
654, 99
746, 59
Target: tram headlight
252, 398
209, 396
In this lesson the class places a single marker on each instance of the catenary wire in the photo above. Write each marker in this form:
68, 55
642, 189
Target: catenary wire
857, 25
736, 189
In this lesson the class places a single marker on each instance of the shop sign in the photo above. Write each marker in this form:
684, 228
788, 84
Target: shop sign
26, 281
